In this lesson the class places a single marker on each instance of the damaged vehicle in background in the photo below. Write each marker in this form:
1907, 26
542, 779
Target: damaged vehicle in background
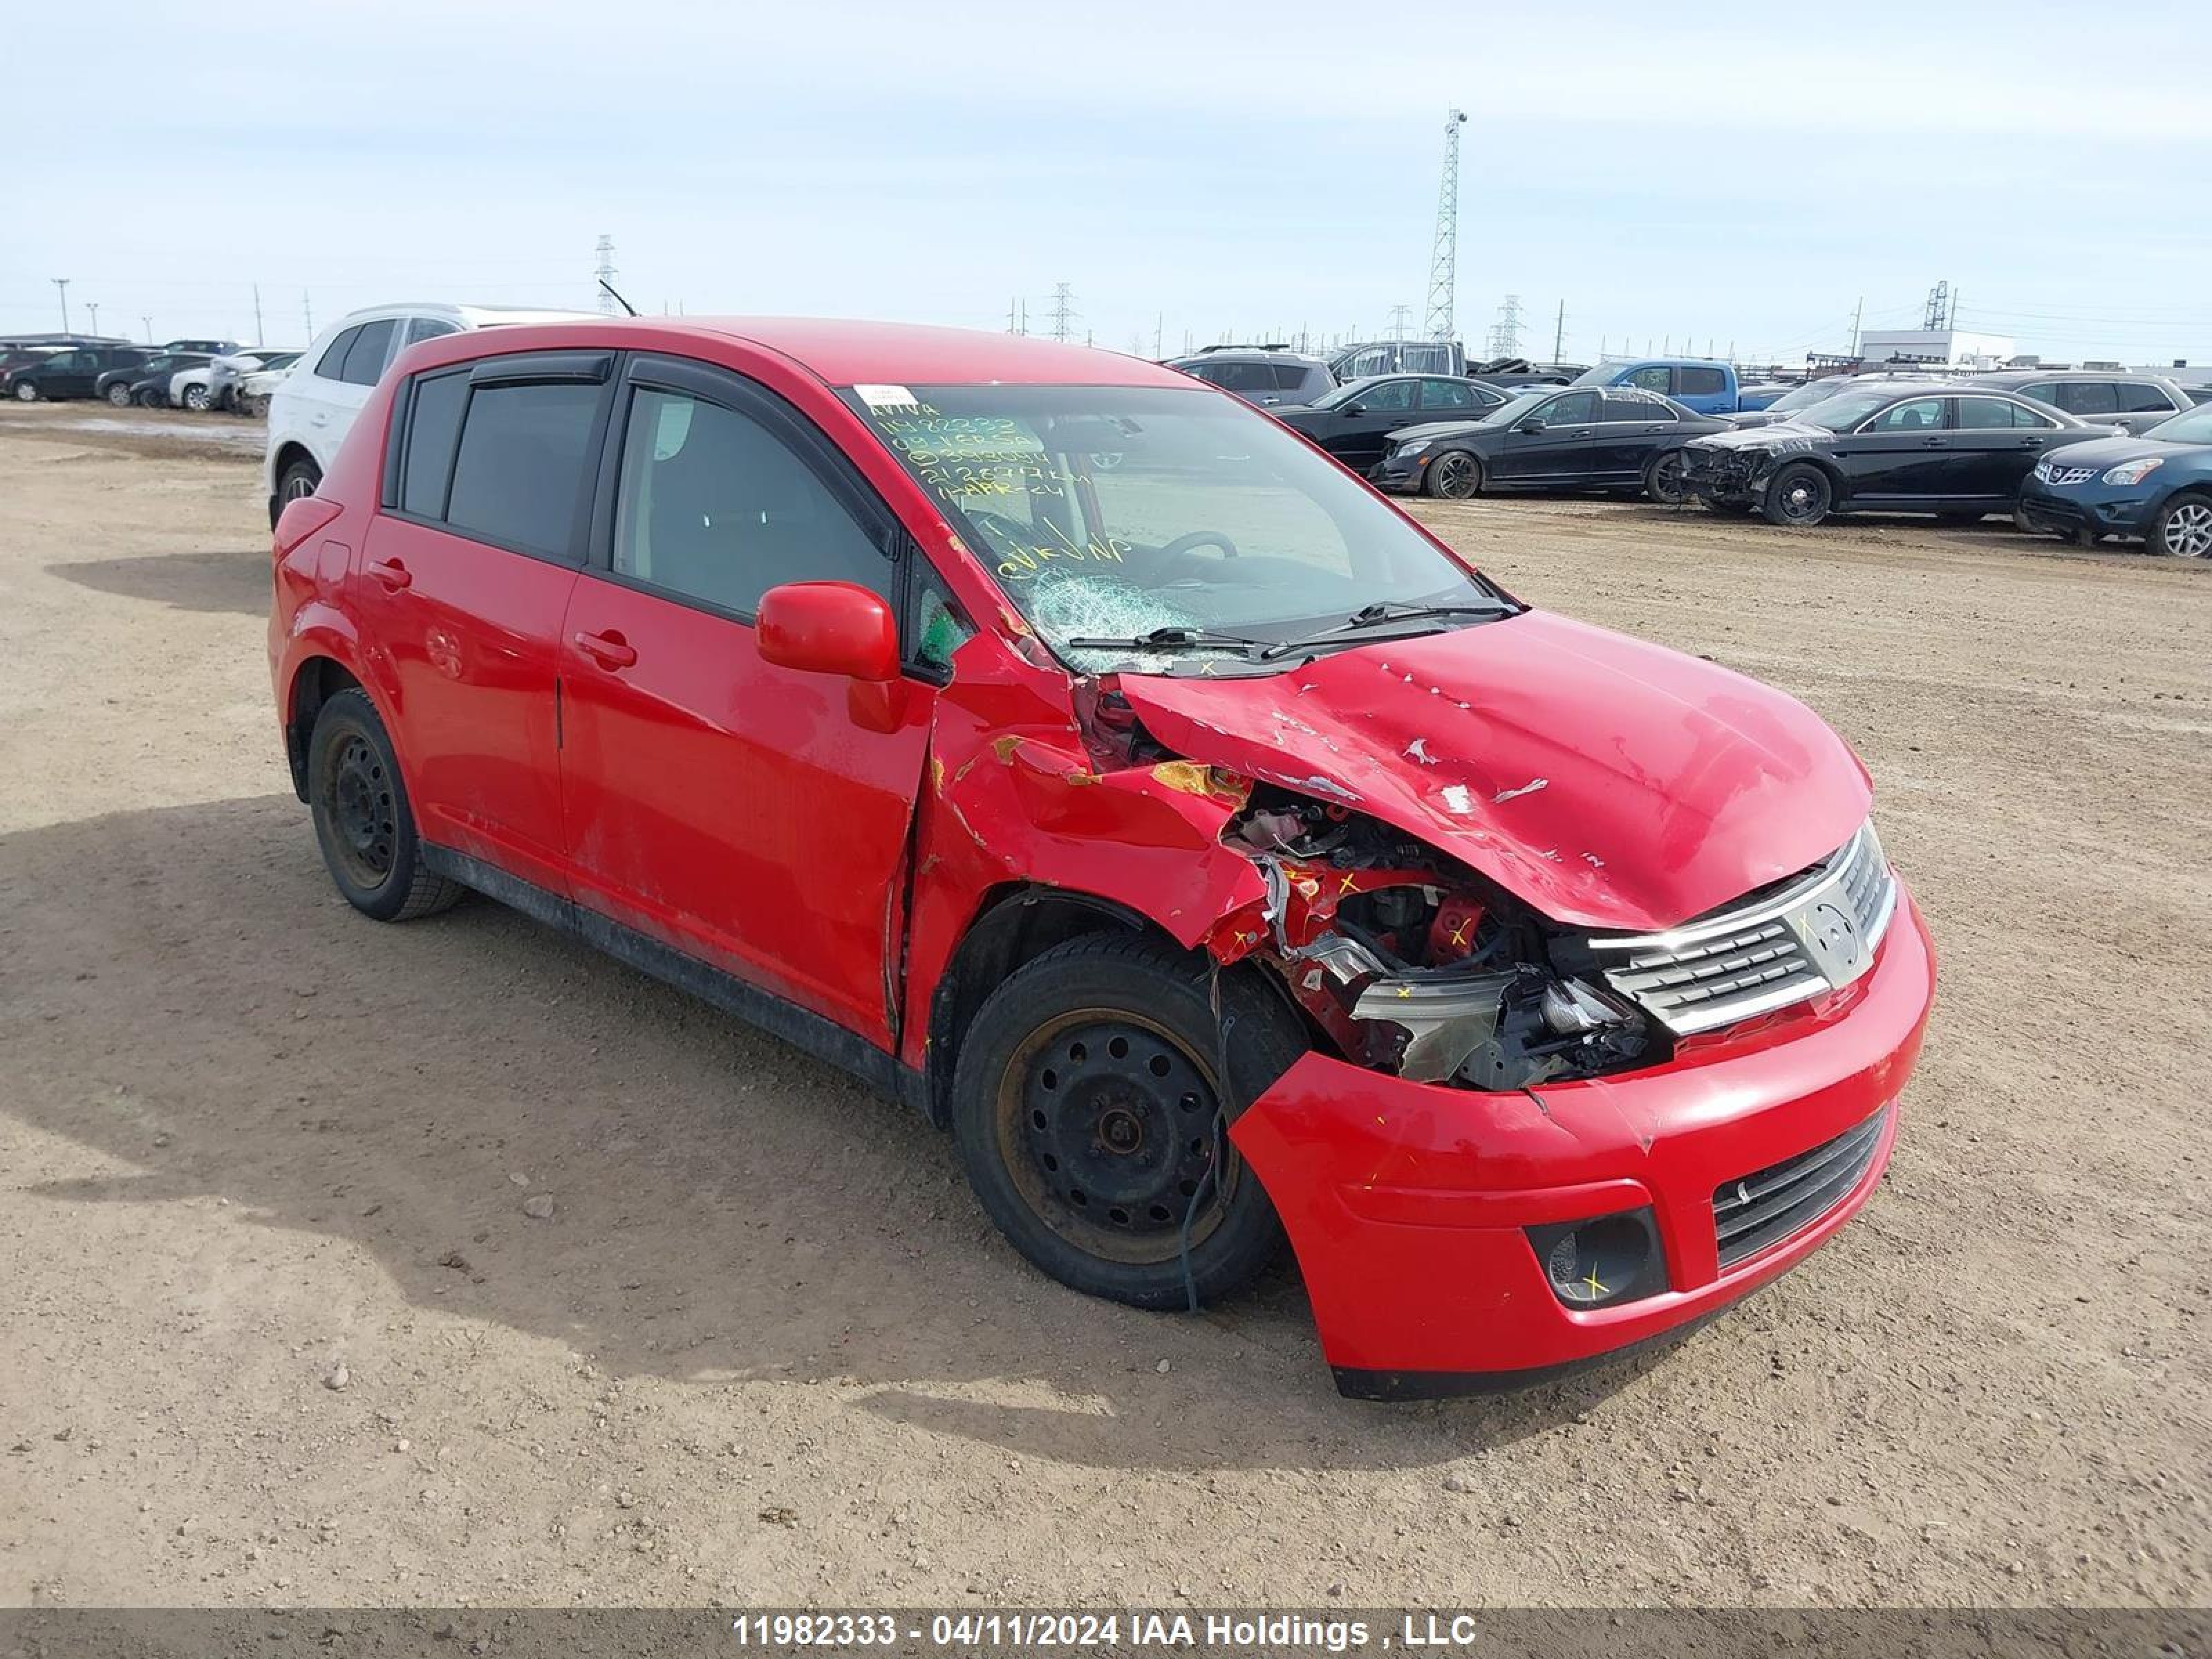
1888, 448
1213, 851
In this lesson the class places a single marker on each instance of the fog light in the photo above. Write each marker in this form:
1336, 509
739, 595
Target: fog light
1603, 1261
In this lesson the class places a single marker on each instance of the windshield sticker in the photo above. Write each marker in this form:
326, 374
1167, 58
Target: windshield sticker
886, 396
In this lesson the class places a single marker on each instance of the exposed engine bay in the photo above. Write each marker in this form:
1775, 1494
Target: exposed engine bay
1412, 964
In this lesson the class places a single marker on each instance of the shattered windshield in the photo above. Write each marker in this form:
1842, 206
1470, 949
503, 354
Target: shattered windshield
1117, 513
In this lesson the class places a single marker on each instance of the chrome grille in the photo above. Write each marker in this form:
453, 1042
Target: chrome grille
1815, 932
2052, 473
1770, 1204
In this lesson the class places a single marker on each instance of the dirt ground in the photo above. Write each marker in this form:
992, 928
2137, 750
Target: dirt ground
766, 1349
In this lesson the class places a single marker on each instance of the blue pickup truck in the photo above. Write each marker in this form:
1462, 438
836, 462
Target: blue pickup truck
1698, 383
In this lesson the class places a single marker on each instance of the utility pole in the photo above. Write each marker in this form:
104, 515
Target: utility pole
258, 335
1063, 314
1560, 334
61, 286
1011, 305
1858, 311
94, 310
308, 312
1443, 258
1938, 314
605, 275
1159, 323
148, 321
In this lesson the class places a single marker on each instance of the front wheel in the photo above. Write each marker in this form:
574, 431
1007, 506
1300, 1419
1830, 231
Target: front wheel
26, 391
295, 484
1663, 479
1799, 496
119, 394
2183, 529
1091, 1119
363, 821
1455, 475
196, 398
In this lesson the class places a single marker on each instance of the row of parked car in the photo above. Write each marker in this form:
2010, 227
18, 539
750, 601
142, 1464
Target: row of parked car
2082, 454
197, 374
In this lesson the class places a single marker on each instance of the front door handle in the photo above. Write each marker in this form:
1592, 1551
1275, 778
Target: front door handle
609, 650
392, 573
1934, 443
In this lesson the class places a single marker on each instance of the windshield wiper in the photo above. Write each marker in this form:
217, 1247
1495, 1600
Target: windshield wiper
1173, 637
1380, 613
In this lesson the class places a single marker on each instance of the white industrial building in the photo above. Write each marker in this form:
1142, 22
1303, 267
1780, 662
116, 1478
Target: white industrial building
1941, 347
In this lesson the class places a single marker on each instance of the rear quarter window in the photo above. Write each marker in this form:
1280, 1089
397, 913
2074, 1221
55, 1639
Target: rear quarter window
434, 422
333, 361
370, 351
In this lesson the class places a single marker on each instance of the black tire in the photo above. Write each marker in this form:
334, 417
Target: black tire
1044, 1101
152, 399
1799, 496
299, 480
119, 394
27, 392
1726, 509
2182, 529
1454, 476
362, 822
1662, 478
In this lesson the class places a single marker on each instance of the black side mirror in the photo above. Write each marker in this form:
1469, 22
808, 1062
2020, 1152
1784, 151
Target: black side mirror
1534, 423
1353, 407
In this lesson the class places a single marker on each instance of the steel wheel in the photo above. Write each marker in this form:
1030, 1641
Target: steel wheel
1799, 495
2184, 530
1455, 475
1106, 1124
362, 811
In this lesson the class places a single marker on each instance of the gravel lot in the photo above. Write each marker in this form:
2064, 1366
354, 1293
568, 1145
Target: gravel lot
275, 1327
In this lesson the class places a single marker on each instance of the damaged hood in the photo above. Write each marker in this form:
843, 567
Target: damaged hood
1768, 435
1610, 783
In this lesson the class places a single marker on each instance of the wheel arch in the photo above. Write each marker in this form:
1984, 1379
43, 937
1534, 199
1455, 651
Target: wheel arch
315, 680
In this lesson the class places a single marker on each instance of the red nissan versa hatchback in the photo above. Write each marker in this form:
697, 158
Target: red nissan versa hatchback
1076, 753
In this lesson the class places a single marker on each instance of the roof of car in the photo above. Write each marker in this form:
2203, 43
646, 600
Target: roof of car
2019, 376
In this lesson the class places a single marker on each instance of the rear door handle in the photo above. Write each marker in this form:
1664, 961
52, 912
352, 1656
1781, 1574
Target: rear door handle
392, 573
609, 650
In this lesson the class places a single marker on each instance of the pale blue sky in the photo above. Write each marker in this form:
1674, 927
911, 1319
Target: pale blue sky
1731, 172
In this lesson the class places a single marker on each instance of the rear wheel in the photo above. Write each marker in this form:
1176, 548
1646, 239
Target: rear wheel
295, 484
1799, 496
362, 822
2184, 528
27, 392
1091, 1120
196, 398
1663, 479
119, 394
1455, 475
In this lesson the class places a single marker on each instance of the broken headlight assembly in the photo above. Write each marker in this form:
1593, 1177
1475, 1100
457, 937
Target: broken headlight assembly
1413, 964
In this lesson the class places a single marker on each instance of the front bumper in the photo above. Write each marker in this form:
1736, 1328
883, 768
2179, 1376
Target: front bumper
2093, 508
1730, 480
1398, 477
1406, 1203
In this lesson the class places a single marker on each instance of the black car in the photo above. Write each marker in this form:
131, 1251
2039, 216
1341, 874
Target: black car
137, 383
2134, 402
1552, 438
1354, 422
1883, 449
72, 373
2158, 487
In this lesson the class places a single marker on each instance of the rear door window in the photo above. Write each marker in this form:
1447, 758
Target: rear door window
1619, 408
1702, 383
365, 357
519, 471
1990, 414
1245, 377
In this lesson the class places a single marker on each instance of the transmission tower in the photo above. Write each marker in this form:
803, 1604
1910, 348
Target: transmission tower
1399, 316
1939, 308
1506, 332
1443, 262
1063, 315
606, 273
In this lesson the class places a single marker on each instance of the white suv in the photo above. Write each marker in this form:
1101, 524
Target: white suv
310, 412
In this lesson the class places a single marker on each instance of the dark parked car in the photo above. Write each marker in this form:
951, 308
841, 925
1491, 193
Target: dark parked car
1555, 438
1354, 422
17, 357
1818, 392
1883, 449
147, 380
2134, 402
73, 373
2158, 487
1259, 375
